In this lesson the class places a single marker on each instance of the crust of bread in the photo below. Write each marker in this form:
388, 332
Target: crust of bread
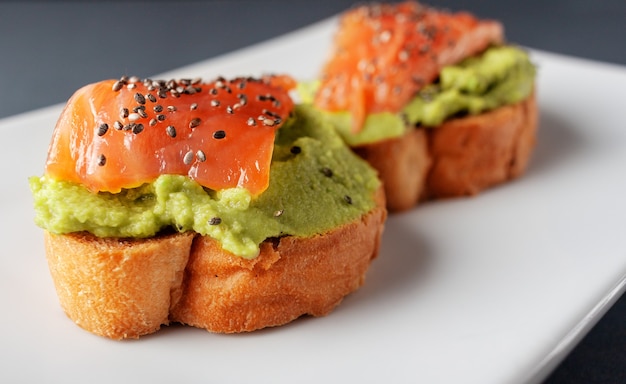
117, 288
127, 288
461, 157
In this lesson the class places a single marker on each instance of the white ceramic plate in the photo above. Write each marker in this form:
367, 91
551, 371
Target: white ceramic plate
491, 289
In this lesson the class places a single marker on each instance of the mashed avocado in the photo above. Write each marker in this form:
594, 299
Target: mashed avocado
501, 75
316, 184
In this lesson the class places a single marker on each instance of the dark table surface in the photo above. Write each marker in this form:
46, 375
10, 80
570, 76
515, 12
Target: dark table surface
49, 49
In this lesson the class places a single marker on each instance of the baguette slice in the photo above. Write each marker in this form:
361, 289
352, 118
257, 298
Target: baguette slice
117, 288
461, 157
128, 288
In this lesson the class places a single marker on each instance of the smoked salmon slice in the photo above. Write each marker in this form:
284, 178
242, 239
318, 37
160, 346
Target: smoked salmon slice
123, 133
383, 54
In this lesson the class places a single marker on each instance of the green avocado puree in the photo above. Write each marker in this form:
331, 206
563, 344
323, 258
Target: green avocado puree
501, 75
316, 184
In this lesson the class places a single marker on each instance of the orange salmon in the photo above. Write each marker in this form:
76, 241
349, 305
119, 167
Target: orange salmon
122, 134
383, 54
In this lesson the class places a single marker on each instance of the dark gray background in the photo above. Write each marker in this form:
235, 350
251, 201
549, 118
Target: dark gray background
49, 49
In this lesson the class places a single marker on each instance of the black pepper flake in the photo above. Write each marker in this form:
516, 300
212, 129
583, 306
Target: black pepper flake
102, 129
219, 134
295, 150
102, 160
215, 221
327, 172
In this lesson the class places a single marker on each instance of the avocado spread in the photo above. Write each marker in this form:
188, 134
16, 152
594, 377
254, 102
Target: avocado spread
316, 184
501, 75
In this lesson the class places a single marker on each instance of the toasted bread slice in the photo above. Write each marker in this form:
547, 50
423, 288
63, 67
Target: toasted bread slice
127, 288
461, 157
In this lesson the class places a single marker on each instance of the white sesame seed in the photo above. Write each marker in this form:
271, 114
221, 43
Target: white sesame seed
134, 117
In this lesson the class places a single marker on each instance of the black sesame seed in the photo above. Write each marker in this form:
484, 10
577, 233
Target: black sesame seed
161, 117
142, 113
327, 172
171, 131
193, 106
213, 91
295, 150
162, 93
200, 156
151, 97
140, 98
117, 86
171, 108
102, 129
153, 122
194, 122
137, 129
215, 221
123, 113
229, 109
219, 134
270, 113
158, 108
215, 103
118, 125
251, 121
102, 160
347, 199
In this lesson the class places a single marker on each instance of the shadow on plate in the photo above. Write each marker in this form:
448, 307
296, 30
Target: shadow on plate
556, 143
